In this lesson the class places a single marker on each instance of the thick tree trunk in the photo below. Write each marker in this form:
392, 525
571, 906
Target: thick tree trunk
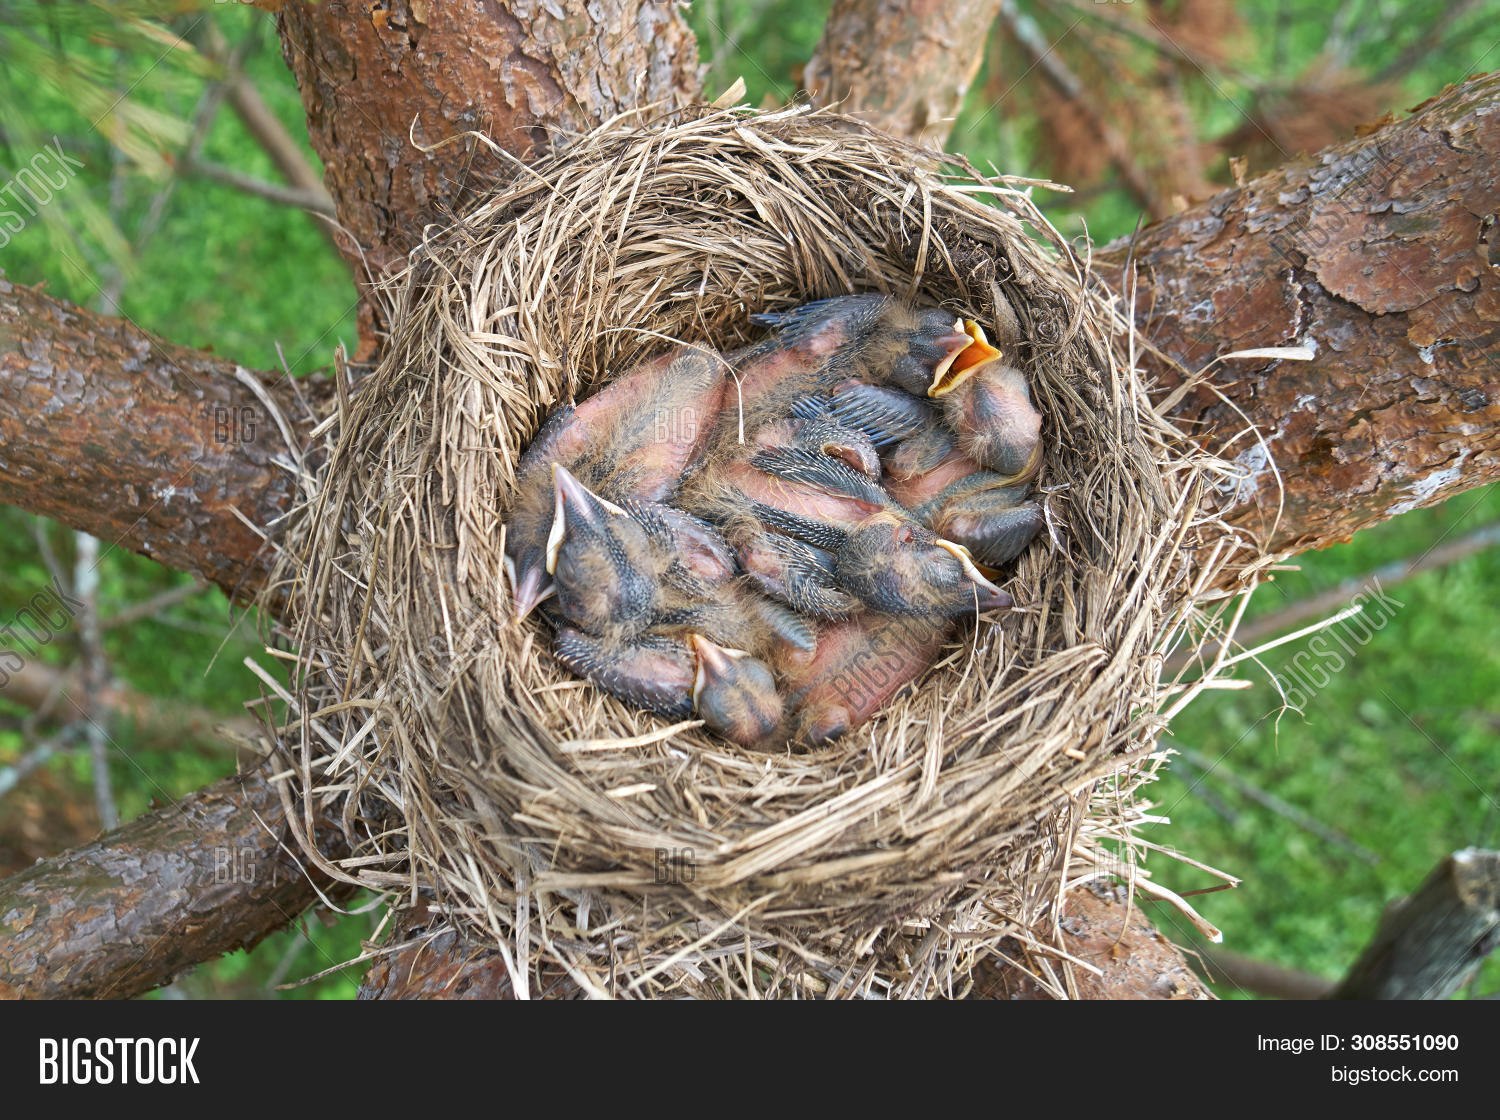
130, 911
1380, 255
381, 82
152, 447
901, 65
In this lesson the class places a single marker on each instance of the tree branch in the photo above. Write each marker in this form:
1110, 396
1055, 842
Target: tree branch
315, 201
1316, 253
1430, 945
1265, 978
139, 905
901, 65
56, 695
1380, 255
1044, 55
148, 446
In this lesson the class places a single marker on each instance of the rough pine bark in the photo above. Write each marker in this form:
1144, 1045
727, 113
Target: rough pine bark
381, 82
1381, 256
148, 446
129, 912
900, 65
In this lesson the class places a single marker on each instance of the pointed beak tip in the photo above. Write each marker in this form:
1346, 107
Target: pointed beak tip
990, 597
566, 485
570, 490
713, 659
995, 600
531, 591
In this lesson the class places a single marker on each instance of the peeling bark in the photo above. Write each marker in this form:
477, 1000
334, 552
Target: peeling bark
1380, 254
1100, 928
901, 65
149, 446
132, 910
378, 78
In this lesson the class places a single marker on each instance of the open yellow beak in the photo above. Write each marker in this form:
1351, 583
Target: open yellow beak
954, 371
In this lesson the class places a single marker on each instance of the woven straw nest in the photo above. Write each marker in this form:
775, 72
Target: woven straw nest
578, 836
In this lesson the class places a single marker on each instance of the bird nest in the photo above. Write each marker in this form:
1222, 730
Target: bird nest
578, 836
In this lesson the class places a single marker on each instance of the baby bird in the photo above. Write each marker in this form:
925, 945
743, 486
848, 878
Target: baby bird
652, 672
733, 693
851, 545
619, 569
881, 340
953, 496
784, 498
643, 585
949, 492
872, 337
893, 564
609, 570
861, 663
634, 439
988, 405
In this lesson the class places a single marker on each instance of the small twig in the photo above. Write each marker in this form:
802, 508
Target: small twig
1251, 634
203, 120
95, 674
39, 530
147, 608
112, 271
1044, 57
1298, 817
276, 140
316, 201
1263, 977
1387, 575
155, 723
32, 761
293, 950
1222, 808
265, 127
1422, 47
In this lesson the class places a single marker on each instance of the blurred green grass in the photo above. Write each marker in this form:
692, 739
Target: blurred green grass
1398, 751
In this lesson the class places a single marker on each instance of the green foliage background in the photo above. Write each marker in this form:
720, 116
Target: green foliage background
1398, 752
